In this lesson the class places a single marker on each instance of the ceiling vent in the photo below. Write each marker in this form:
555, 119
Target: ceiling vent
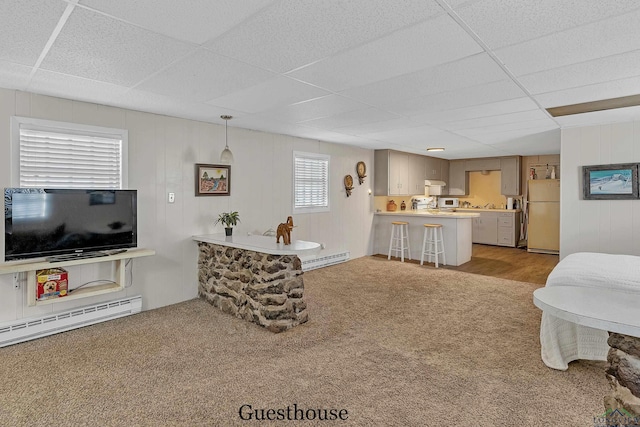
588, 107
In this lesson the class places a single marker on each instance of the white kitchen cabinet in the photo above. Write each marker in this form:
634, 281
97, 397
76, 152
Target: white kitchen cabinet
444, 175
510, 179
402, 174
391, 173
458, 184
509, 228
485, 228
417, 173
398, 173
434, 169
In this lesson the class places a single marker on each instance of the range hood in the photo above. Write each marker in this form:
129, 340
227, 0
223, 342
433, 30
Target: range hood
433, 182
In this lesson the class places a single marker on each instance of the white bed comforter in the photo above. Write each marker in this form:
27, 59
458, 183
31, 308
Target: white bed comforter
563, 341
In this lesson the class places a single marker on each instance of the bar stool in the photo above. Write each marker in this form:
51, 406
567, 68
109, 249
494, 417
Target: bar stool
433, 236
399, 235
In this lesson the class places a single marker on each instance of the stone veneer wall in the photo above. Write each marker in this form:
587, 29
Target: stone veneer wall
623, 373
258, 287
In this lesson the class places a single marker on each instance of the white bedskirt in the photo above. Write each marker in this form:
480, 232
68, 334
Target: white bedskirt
563, 341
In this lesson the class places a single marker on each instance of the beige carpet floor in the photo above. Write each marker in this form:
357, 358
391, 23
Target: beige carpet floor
394, 344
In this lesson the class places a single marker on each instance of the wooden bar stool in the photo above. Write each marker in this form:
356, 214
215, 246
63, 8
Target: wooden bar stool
433, 236
399, 239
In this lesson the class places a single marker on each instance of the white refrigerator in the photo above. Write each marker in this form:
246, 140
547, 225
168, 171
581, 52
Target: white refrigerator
543, 228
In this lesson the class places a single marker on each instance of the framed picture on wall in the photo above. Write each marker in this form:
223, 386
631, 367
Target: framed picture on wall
213, 180
610, 182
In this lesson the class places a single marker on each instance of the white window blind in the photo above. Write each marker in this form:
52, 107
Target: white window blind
69, 158
311, 182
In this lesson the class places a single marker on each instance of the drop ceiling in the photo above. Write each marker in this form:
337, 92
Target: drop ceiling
474, 77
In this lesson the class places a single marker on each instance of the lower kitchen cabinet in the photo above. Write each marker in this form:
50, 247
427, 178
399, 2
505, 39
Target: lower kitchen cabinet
497, 228
485, 228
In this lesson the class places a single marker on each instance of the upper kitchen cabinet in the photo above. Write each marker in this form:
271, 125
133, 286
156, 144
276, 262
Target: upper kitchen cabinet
458, 184
391, 173
510, 179
403, 174
417, 173
435, 168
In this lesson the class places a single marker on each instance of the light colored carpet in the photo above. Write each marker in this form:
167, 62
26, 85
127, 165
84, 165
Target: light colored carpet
394, 344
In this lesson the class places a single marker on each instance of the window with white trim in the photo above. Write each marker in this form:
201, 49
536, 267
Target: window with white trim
310, 182
47, 154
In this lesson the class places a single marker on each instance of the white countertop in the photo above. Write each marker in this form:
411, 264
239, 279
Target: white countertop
488, 210
426, 213
606, 309
264, 244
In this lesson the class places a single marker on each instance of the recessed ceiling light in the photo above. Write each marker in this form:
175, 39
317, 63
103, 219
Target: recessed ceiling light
435, 149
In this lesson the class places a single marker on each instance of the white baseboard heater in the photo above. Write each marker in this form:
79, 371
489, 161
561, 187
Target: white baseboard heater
323, 261
37, 327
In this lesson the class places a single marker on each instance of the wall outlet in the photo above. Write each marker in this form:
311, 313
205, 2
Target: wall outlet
322, 246
172, 197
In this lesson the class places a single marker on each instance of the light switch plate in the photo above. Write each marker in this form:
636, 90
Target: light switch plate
172, 197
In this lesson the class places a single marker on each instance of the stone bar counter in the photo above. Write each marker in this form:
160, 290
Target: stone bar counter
254, 278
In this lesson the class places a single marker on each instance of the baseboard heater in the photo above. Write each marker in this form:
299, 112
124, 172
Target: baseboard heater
323, 261
37, 327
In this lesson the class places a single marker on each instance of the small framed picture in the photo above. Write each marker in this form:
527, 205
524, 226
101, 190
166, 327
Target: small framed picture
610, 182
213, 180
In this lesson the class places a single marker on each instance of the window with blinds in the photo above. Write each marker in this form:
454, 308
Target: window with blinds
64, 155
310, 182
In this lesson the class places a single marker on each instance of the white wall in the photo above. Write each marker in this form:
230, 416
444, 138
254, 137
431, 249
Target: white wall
608, 226
162, 154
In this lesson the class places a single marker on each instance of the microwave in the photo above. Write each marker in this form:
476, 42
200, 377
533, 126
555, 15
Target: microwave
448, 202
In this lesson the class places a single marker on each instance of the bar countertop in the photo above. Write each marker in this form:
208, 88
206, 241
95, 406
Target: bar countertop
264, 244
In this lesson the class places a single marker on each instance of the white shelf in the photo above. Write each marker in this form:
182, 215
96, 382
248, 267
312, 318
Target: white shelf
30, 267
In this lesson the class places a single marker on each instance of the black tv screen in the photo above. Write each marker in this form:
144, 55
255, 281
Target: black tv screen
47, 222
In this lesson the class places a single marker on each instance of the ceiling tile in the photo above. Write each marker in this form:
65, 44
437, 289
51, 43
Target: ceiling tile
194, 21
66, 86
505, 22
489, 138
104, 49
533, 144
14, 76
487, 130
600, 117
349, 118
25, 28
269, 94
469, 71
160, 104
487, 121
476, 111
293, 33
599, 70
387, 124
465, 97
204, 75
326, 106
594, 92
437, 41
600, 39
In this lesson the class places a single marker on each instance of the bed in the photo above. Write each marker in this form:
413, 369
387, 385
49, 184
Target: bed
562, 341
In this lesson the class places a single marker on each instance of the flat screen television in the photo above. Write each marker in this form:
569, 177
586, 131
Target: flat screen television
54, 222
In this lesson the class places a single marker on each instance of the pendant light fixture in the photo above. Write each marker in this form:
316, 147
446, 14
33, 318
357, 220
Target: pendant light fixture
226, 157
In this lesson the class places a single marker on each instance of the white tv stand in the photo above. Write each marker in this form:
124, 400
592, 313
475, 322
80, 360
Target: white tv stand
32, 266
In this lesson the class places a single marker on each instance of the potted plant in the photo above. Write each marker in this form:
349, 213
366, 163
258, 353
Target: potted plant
228, 219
